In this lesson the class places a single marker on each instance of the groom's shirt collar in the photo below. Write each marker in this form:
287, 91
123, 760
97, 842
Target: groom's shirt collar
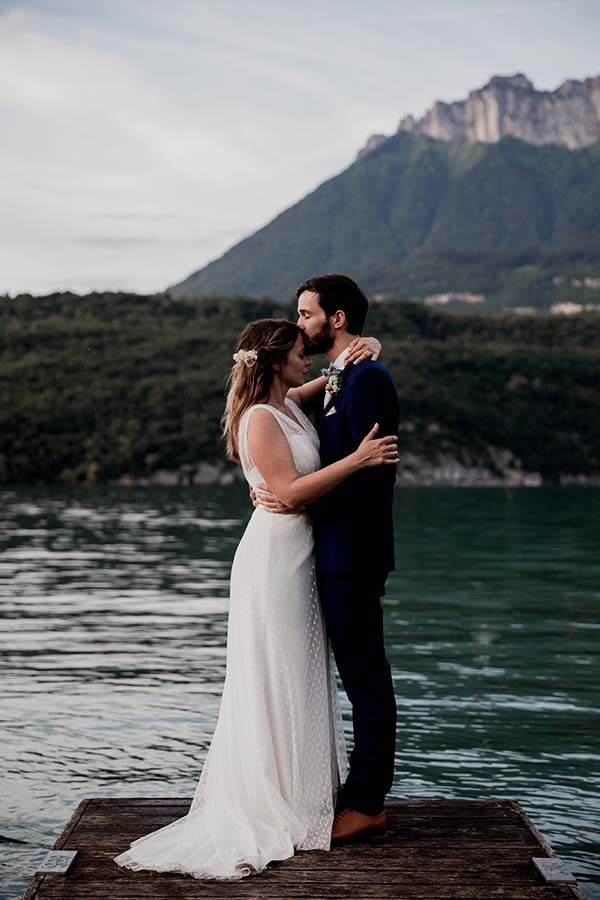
340, 360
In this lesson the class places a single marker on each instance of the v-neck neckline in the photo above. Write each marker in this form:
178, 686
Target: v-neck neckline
289, 416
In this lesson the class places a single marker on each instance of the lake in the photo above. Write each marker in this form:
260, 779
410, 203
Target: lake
112, 652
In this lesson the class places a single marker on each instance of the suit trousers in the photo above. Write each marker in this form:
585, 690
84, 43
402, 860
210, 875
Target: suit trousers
354, 619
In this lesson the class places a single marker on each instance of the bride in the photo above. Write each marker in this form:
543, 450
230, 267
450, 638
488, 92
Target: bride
277, 758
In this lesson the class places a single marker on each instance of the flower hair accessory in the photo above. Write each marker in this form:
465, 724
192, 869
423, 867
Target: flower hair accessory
248, 357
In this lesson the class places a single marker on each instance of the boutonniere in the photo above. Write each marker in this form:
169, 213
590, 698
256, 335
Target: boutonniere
334, 378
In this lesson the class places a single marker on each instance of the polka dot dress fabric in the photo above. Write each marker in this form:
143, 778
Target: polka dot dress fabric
278, 755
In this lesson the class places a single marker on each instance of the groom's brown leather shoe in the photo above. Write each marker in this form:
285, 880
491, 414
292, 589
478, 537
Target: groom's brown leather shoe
351, 825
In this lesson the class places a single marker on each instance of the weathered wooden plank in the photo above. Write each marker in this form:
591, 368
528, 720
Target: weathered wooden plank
499, 816
548, 851
434, 807
431, 809
363, 861
410, 813
427, 866
407, 829
460, 842
399, 875
435, 849
59, 844
137, 802
168, 888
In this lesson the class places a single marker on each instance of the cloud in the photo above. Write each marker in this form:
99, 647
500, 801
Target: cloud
101, 241
88, 134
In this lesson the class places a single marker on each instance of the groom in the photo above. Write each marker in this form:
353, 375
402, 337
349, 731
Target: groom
354, 544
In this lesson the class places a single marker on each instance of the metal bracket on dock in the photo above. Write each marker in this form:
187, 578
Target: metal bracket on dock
56, 862
553, 869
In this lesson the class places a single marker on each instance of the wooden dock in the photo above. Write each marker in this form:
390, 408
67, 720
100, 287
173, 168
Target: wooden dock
434, 850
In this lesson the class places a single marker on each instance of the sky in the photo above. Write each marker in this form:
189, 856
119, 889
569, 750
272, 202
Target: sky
141, 139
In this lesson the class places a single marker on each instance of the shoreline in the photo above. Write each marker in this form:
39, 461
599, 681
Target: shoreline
413, 472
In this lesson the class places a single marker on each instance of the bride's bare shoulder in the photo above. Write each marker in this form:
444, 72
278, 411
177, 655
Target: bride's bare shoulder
266, 439
262, 420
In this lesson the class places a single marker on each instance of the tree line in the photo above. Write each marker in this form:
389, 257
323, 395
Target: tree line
93, 387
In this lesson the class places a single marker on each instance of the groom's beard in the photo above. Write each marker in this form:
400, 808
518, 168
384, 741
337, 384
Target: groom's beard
322, 341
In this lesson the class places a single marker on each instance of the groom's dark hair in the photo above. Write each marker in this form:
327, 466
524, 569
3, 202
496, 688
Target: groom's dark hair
339, 292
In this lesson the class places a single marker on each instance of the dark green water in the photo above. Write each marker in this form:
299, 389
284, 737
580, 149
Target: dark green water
112, 652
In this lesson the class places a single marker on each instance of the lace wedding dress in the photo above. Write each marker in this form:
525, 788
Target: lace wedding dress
278, 755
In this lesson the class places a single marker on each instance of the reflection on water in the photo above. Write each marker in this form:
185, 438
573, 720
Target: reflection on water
112, 652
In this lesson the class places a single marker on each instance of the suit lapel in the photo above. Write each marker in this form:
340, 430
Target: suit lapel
329, 403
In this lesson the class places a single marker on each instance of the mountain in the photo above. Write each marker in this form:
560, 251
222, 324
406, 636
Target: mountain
449, 222
510, 106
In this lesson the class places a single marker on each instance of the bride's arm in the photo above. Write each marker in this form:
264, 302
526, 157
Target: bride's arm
360, 348
305, 394
272, 456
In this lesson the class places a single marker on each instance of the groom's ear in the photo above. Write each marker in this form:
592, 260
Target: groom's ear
339, 319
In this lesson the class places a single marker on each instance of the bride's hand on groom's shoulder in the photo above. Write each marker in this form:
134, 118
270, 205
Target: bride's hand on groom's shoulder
363, 348
263, 497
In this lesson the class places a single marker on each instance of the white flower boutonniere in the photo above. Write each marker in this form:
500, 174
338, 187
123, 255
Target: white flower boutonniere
334, 378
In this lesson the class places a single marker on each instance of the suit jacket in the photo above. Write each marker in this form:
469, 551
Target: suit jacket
353, 524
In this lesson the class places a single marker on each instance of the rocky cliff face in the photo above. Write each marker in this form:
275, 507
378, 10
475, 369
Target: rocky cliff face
511, 106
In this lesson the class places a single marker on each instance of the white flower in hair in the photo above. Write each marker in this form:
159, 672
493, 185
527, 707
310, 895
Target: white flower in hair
248, 357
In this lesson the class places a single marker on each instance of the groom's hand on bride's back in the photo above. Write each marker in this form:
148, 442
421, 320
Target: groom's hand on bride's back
263, 497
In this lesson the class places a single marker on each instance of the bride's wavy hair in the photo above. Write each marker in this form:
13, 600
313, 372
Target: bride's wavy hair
250, 379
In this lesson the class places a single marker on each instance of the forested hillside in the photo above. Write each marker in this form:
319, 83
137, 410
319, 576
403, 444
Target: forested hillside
516, 223
97, 386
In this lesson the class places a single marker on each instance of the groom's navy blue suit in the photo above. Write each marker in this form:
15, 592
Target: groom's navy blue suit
354, 545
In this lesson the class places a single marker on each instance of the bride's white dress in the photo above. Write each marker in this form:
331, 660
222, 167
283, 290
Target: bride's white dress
278, 755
